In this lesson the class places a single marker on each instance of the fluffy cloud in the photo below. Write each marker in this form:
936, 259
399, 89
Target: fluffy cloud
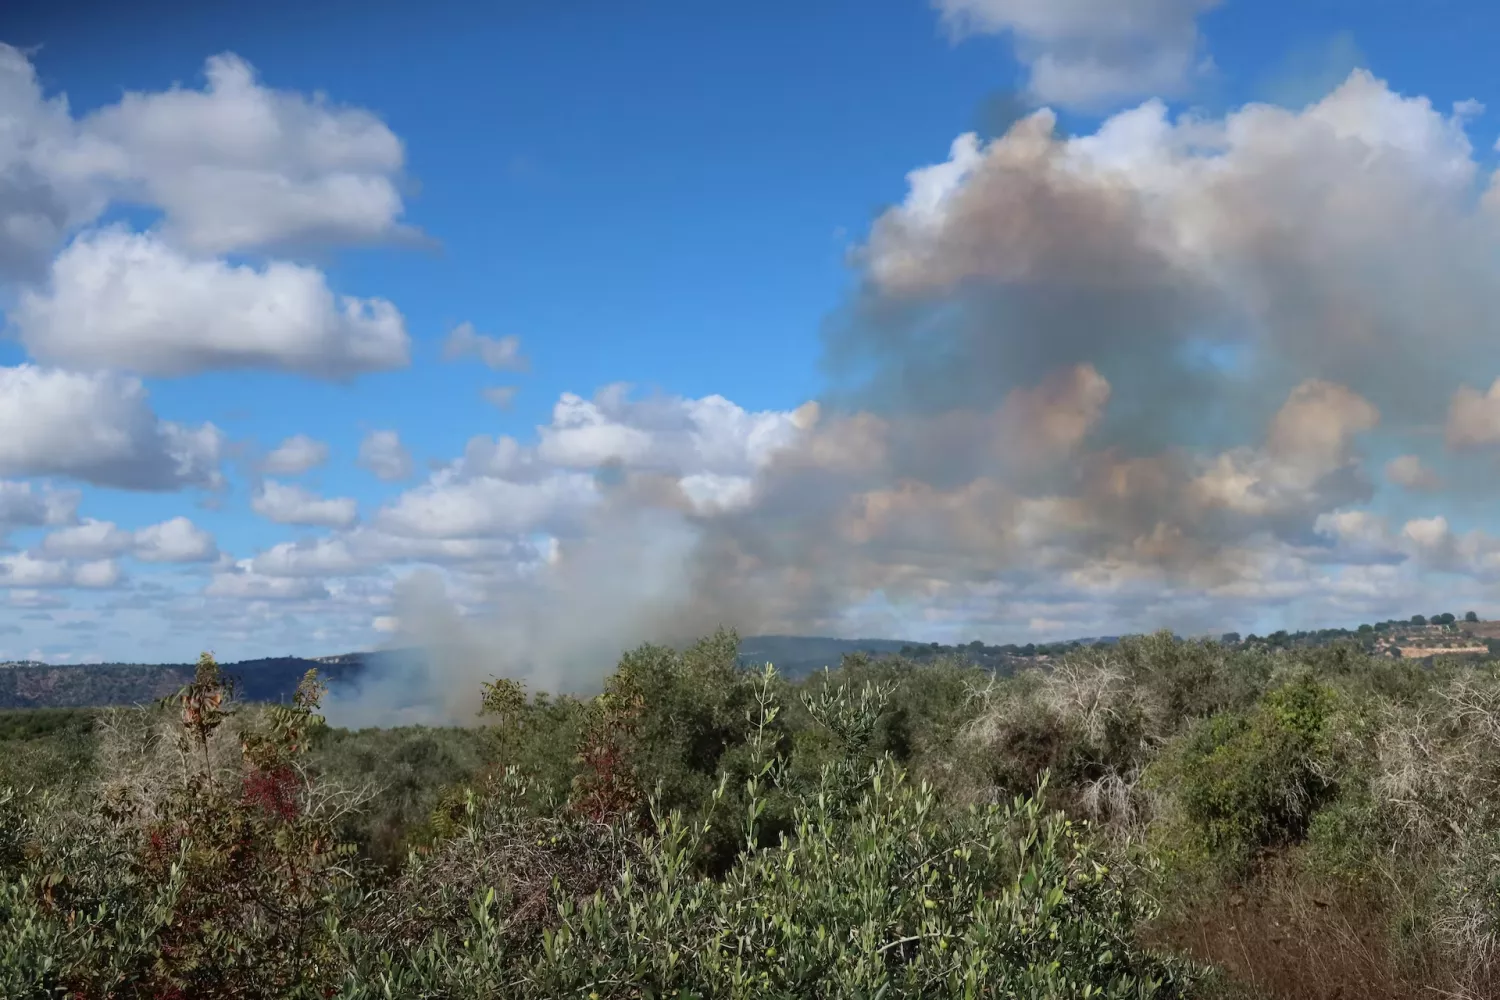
1411, 472
711, 493
97, 575
1310, 444
703, 454
499, 353
40, 200
500, 396
385, 457
493, 515
323, 557
126, 300
1474, 417
1359, 528
99, 428
666, 434
366, 550
23, 570
1151, 238
295, 455
235, 166
241, 583
1085, 52
1427, 532
487, 506
290, 504
90, 539
22, 505
175, 541
1432, 544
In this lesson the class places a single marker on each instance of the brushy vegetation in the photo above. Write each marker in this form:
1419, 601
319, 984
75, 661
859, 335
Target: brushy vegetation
1158, 818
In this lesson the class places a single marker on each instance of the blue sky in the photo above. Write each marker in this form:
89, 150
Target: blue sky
687, 199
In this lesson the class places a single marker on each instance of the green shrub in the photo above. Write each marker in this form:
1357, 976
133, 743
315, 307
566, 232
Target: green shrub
885, 893
1247, 781
1191, 680
702, 830
405, 773
1346, 840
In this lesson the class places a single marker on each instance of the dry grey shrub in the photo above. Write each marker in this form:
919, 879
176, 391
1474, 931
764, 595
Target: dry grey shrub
1438, 766
531, 862
1417, 779
1466, 777
1466, 917
1435, 785
139, 754
1089, 698
141, 759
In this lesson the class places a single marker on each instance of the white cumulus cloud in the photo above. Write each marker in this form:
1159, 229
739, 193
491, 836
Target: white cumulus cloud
384, 456
128, 301
41, 199
486, 506
98, 574
1411, 472
23, 572
233, 166
1082, 53
499, 353
177, 540
241, 582
90, 539
1474, 417
237, 165
295, 455
99, 428
290, 504
23, 505
667, 434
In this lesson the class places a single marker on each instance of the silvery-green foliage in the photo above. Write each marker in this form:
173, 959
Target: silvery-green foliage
893, 896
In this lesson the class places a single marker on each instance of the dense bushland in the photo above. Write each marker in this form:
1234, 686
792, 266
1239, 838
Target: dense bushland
1159, 818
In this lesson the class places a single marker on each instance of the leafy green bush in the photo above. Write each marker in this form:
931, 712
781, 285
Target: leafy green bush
885, 894
1246, 781
405, 772
34, 723
212, 867
882, 828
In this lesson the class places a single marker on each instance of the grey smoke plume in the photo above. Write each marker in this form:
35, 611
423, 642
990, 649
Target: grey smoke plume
1148, 359
560, 630
1130, 377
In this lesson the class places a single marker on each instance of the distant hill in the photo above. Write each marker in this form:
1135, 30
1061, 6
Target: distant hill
798, 656
29, 684
94, 685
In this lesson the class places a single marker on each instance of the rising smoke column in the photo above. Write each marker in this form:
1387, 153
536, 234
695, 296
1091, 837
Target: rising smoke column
1134, 374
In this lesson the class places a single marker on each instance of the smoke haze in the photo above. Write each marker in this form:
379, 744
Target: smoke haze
1134, 376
